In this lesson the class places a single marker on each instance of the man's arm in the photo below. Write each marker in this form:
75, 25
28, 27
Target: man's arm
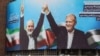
22, 19
51, 20
53, 24
86, 42
21, 23
39, 26
23, 34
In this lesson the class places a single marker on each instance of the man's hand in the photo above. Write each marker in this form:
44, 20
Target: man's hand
45, 9
22, 9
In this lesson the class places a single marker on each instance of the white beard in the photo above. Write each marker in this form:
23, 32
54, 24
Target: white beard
29, 33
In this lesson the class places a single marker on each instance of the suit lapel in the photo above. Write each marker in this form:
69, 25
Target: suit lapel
74, 41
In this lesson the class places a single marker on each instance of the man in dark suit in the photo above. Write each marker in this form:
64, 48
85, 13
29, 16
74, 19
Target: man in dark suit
67, 36
28, 36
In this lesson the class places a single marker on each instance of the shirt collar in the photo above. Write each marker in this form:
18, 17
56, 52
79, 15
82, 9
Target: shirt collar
72, 31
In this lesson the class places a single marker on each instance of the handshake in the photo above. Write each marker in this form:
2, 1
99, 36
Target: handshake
45, 9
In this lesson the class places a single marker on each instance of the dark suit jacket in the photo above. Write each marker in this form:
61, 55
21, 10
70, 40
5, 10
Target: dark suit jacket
24, 40
79, 39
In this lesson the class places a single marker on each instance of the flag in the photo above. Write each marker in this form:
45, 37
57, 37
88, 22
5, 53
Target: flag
93, 38
45, 38
42, 39
12, 37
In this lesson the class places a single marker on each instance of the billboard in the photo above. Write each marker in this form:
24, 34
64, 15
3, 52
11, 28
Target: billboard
52, 24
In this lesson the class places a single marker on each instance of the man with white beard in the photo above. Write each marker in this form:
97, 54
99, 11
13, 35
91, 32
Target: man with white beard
29, 30
28, 36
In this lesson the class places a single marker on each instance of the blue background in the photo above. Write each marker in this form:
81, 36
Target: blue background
59, 10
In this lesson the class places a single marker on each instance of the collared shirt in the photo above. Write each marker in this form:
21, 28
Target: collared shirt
70, 39
31, 44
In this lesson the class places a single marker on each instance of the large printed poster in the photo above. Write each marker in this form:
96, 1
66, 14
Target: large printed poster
53, 24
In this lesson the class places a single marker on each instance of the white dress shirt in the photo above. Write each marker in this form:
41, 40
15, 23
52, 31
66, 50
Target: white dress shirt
70, 39
31, 44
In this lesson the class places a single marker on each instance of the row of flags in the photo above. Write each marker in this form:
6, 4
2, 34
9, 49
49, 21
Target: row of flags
44, 40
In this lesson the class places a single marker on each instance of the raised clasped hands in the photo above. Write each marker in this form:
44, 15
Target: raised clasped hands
45, 8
